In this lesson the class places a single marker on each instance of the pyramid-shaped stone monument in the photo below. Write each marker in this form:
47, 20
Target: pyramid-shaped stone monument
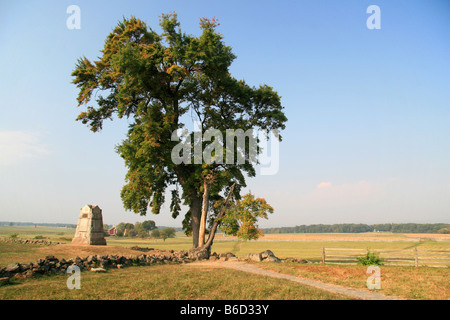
90, 227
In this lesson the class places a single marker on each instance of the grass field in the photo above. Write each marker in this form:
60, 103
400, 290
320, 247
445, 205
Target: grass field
406, 282
168, 282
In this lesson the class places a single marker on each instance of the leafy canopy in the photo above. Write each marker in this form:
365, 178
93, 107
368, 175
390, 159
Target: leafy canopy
241, 217
156, 80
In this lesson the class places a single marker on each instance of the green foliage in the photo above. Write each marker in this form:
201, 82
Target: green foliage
140, 230
155, 233
167, 233
157, 79
370, 259
357, 228
13, 235
148, 225
241, 217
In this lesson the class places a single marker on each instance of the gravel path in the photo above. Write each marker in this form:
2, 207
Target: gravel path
246, 267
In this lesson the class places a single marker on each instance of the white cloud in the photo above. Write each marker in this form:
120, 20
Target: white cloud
324, 185
17, 145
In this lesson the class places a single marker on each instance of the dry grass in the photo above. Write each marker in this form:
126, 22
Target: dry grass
164, 282
408, 282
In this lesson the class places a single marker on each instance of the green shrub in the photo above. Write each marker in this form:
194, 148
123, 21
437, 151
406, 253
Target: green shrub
13, 236
370, 259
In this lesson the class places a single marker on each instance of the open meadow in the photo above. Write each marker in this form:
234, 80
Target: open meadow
408, 282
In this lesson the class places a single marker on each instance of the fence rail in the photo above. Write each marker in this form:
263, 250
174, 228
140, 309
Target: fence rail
402, 257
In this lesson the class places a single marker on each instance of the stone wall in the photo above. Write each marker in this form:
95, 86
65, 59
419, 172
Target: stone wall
31, 241
52, 265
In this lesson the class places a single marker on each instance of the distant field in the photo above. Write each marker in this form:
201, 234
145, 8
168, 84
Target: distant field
59, 234
408, 282
306, 246
369, 236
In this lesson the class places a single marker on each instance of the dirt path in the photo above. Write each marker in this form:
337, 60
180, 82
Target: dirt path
246, 267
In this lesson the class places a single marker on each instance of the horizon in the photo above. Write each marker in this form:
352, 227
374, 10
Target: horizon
367, 138
27, 223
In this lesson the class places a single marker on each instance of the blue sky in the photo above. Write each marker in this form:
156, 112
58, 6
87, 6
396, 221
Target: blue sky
368, 136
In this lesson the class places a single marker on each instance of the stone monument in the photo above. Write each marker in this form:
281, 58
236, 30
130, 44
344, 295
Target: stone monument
90, 227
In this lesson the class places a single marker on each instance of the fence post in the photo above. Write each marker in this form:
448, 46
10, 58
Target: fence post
416, 257
323, 255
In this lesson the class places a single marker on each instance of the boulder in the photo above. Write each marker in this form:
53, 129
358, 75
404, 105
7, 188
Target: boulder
199, 253
91, 259
13, 268
272, 259
230, 255
254, 257
213, 258
266, 254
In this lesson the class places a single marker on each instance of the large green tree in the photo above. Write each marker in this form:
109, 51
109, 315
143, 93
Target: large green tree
157, 80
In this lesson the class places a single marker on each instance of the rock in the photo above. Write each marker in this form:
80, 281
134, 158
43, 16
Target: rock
29, 273
303, 261
253, 257
142, 249
272, 259
213, 258
234, 258
51, 258
266, 254
230, 255
100, 264
19, 275
25, 267
40, 262
13, 268
199, 253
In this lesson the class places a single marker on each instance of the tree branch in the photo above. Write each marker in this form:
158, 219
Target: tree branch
212, 233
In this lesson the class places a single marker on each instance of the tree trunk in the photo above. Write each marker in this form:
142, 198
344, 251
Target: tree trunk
203, 252
212, 233
196, 212
202, 231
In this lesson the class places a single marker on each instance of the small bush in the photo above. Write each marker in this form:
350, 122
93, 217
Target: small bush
13, 236
370, 259
39, 237
65, 239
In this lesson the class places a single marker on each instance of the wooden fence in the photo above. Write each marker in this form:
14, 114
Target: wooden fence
406, 257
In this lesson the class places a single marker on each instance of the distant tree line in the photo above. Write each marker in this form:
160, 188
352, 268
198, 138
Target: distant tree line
145, 229
11, 223
442, 228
